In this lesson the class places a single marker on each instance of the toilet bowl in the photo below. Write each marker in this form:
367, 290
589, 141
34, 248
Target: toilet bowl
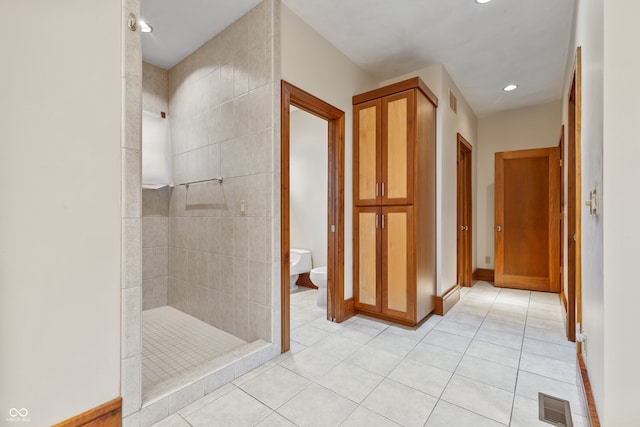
319, 278
299, 262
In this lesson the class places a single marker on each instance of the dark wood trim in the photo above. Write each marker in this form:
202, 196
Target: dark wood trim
464, 212
413, 83
577, 303
387, 318
587, 393
561, 147
574, 215
447, 301
292, 95
349, 309
484, 274
563, 298
285, 297
106, 415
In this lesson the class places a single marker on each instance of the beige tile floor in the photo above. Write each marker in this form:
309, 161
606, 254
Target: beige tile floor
176, 347
482, 364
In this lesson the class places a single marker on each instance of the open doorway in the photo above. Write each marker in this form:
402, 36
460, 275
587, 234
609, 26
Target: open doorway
293, 96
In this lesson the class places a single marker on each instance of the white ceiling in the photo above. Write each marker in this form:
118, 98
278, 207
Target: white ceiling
182, 26
484, 47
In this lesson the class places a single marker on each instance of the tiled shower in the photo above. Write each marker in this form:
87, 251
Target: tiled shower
208, 256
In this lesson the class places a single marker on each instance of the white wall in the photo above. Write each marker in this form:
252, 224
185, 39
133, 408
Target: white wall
620, 203
530, 127
311, 63
60, 113
308, 184
588, 33
449, 124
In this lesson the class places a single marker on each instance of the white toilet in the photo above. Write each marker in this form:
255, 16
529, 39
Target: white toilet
319, 278
299, 262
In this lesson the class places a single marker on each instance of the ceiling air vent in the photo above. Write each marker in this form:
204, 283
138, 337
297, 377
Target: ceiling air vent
554, 411
453, 102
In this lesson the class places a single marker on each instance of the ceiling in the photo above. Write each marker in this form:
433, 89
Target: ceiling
182, 26
484, 47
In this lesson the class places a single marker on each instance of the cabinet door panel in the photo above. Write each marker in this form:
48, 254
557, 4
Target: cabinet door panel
367, 153
398, 148
398, 261
366, 255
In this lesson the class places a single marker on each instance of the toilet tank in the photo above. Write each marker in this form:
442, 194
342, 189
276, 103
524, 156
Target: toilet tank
299, 261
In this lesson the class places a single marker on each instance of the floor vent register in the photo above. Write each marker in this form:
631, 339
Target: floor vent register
554, 411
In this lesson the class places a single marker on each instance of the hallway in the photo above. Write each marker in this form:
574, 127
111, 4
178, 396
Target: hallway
482, 364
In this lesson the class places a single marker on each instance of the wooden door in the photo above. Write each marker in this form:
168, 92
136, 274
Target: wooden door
398, 148
465, 235
398, 262
366, 253
367, 152
527, 197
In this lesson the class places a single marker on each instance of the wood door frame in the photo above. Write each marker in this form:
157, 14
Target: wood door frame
574, 212
561, 146
292, 95
463, 144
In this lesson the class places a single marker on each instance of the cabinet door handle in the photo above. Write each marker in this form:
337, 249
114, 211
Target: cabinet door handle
376, 220
383, 189
376, 189
383, 221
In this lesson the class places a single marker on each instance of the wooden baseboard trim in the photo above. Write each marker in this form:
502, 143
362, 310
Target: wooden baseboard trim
594, 421
448, 300
106, 415
387, 318
349, 309
484, 274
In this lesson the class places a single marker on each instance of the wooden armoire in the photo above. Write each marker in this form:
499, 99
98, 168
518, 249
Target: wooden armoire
394, 198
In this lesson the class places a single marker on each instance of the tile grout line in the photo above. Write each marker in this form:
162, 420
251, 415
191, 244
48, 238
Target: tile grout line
454, 372
515, 388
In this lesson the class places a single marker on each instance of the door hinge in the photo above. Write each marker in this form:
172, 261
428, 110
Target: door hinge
333, 228
560, 162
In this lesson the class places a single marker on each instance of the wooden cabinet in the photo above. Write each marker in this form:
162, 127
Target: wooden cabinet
394, 187
383, 262
384, 130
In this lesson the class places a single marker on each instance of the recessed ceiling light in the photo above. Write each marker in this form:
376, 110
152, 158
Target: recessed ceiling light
509, 88
482, 1
144, 27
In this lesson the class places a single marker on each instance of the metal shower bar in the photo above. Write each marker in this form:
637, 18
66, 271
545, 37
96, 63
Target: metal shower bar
219, 179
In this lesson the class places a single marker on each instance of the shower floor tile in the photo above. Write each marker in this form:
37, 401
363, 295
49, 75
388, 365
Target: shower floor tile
176, 348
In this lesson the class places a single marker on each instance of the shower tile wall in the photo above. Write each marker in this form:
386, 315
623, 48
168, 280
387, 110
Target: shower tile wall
221, 102
155, 89
131, 279
155, 250
155, 203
